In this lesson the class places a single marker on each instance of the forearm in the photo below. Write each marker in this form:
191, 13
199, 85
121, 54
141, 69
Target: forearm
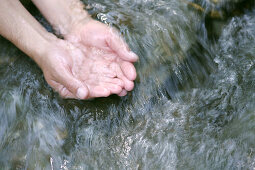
18, 26
67, 13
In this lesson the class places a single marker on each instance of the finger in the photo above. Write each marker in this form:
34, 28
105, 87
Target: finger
99, 91
63, 92
114, 89
66, 94
128, 69
123, 93
129, 85
75, 86
117, 44
115, 81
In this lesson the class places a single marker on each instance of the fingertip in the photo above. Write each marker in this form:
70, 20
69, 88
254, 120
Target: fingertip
106, 93
100, 92
127, 55
129, 70
66, 94
117, 44
133, 57
82, 93
129, 85
122, 93
115, 89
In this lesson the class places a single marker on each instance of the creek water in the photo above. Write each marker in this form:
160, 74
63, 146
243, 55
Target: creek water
192, 106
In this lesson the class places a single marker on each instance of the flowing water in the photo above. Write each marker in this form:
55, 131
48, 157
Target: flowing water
192, 106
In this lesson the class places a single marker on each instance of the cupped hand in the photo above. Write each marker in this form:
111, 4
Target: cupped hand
83, 74
109, 46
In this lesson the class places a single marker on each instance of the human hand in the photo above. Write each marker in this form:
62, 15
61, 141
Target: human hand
70, 19
83, 74
110, 47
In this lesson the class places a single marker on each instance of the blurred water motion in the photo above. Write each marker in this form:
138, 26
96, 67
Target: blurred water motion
192, 106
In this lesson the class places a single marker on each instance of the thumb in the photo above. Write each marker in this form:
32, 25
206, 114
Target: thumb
75, 86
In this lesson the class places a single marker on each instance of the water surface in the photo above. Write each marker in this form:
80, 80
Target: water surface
192, 106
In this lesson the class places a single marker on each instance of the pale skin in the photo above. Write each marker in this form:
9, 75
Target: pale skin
92, 60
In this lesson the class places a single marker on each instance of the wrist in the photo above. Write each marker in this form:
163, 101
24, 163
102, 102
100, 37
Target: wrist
76, 22
68, 23
38, 52
62, 14
73, 34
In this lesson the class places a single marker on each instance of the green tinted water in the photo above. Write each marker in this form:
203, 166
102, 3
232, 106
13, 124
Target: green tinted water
192, 106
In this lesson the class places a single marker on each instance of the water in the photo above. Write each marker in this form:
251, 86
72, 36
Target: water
192, 106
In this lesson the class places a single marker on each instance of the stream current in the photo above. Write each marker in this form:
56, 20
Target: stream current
193, 105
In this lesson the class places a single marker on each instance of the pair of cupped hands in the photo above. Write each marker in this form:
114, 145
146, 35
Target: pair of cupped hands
92, 61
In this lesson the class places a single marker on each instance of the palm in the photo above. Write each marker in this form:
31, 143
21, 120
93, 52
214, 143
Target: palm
93, 34
67, 67
99, 70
